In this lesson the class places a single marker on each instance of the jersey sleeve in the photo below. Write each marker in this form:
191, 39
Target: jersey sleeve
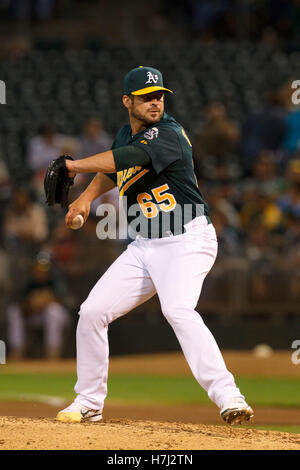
130, 156
113, 176
162, 145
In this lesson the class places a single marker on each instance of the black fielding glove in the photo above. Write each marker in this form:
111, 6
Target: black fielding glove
57, 183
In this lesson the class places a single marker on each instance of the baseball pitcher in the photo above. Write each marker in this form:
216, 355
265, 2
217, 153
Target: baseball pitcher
175, 247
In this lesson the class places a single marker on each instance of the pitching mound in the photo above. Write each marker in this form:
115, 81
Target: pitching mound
114, 434
31, 426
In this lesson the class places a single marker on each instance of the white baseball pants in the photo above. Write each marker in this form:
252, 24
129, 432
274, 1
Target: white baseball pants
173, 267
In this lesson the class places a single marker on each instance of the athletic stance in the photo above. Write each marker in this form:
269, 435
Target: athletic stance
151, 163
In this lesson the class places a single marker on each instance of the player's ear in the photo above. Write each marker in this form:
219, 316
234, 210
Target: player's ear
127, 100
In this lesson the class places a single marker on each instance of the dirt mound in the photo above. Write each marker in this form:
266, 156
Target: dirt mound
122, 434
189, 414
32, 426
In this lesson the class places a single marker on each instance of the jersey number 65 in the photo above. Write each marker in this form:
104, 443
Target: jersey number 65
166, 202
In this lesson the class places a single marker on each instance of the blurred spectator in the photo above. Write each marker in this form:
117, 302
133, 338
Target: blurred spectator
259, 207
257, 246
289, 259
264, 175
63, 245
263, 130
94, 139
215, 142
75, 253
222, 198
5, 193
4, 177
25, 229
24, 220
293, 170
43, 148
289, 202
39, 305
229, 243
219, 135
6, 284
261, 256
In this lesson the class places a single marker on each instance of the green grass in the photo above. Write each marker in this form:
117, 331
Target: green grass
147, 389
39, 384
155, 389
270, 391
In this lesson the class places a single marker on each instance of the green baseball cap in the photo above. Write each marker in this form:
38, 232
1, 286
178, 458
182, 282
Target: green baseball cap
142, 80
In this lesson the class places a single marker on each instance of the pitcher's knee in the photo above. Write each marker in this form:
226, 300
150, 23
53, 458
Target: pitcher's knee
176, 315
92, 314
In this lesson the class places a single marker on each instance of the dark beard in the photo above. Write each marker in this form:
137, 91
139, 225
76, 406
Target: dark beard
146, 122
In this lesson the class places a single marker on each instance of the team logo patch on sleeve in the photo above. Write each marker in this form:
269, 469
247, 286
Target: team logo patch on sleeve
151, 133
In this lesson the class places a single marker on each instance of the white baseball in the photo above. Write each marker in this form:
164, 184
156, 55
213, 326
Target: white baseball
77, 222
262, 350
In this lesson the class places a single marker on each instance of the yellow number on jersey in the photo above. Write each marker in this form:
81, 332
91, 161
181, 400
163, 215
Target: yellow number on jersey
166, 201
148, 208
168, 197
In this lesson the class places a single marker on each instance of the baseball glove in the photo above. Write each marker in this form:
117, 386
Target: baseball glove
57, 183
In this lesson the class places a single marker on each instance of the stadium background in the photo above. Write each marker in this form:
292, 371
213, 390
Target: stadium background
231, 65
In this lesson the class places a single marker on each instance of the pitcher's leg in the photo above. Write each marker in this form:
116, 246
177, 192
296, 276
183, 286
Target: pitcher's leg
124, 286
189, 259
202, 354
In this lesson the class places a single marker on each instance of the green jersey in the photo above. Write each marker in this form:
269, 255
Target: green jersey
163, 195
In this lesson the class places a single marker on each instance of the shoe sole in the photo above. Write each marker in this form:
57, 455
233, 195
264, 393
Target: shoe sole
76, 418
236, 416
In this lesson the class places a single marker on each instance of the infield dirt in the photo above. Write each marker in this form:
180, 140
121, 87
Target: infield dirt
125, 434
32, 426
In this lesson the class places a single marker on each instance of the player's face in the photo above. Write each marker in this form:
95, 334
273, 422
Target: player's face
148, 108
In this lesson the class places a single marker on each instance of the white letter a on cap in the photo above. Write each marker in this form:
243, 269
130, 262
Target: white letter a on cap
151, 78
